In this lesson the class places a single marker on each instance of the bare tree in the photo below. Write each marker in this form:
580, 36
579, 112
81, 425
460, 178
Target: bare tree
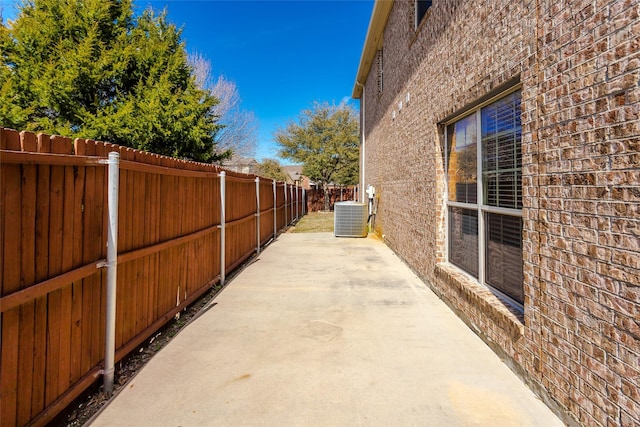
240, 127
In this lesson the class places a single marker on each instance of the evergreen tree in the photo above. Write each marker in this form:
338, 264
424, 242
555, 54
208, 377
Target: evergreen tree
89, 68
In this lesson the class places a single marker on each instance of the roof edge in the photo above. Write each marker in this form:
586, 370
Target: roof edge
373, 40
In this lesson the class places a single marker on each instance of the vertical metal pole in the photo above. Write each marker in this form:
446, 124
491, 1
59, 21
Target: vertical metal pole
257, 215
292, 198
275, 223
297, 202
112, 269
223, 200
285, 205
304, 201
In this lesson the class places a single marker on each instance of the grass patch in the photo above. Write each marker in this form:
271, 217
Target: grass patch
314, 222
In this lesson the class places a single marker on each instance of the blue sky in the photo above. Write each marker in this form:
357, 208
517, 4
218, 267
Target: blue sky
282, 55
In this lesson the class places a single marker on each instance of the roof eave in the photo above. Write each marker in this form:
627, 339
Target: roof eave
373, 41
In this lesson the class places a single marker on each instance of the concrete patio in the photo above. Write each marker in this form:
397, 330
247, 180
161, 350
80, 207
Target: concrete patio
325, 331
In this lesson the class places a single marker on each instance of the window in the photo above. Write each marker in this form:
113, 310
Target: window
484, 197
380, 69
421, 10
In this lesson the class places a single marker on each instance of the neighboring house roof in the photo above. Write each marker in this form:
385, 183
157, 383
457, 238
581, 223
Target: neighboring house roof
239, 161
294, 172
373, 41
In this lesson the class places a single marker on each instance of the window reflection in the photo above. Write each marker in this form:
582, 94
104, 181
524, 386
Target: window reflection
462, 166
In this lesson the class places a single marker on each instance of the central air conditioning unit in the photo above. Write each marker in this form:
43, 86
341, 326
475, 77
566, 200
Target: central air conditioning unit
350, 219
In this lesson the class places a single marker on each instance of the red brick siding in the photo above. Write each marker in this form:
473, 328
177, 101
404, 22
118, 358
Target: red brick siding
579, 64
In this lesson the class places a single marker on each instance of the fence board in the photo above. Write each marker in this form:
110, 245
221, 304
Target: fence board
54, 314
27, 277
140, 278
189, 269
87, 148
155, 237
3, 175
139, 241
148, 239
125, 296
77, 288
11, 203
99, 247
170, 227
42, 273
67, 265
194, 280
182, 226
176, 253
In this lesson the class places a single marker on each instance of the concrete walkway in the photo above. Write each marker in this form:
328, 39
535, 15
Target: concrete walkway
325, 331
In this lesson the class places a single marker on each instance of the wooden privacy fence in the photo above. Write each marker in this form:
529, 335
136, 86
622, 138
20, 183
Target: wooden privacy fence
178, 223
315, 197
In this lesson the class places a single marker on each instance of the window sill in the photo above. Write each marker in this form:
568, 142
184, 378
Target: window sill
459, 285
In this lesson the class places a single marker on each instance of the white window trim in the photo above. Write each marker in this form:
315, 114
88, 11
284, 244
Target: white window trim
478, 207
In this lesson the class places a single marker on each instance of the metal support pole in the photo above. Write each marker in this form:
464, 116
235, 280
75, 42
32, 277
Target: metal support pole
223, 200
297, 203
285, 205
257, 215
304, 201
275, 223
112, 269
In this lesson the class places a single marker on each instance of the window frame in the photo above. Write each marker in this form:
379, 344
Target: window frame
479, 206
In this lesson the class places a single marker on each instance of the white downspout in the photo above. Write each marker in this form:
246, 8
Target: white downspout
362, 126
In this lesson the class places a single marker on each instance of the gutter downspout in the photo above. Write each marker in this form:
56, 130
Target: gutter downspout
362, 127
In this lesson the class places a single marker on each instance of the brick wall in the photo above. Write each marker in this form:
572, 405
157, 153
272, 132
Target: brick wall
578, 341
584, 208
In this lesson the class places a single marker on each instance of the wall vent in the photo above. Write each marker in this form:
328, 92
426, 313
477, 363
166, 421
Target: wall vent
350, 219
